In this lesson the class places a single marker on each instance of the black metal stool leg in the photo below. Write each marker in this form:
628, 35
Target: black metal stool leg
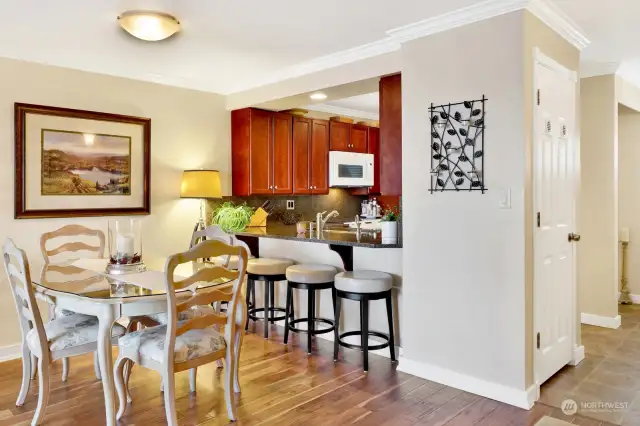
392, 346
266, 309
248, 299
272, 300
336, 332
288, 308
364, 309
310, 317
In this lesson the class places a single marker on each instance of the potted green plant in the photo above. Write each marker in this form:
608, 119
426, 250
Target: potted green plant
390, 226
232, 218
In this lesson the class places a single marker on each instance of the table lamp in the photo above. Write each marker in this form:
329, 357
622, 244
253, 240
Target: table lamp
202, 184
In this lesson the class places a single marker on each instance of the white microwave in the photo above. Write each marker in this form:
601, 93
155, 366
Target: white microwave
350, 169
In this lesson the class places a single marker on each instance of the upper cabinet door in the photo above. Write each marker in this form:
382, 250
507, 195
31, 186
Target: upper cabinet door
340, 134
320, 157
260, 151
282, 181
301, 155
374, 148
359, 138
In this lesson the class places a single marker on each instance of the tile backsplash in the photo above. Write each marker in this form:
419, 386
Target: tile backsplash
306, 205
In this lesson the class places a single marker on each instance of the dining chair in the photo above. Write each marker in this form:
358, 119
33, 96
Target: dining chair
71, 231
67, 336
184, 345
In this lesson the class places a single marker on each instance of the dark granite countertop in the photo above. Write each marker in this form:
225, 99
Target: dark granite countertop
332, 236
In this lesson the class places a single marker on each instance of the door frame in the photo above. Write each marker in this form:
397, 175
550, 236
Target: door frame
541, 59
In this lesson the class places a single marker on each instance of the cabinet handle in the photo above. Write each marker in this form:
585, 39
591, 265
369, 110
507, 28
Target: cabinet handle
276, 187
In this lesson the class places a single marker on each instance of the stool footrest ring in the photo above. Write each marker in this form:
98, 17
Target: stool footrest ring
359, 333
251, 313
315, 330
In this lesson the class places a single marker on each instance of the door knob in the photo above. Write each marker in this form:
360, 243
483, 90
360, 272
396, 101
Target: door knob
574, 237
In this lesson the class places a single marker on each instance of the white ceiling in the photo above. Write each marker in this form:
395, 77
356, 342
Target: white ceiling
369, 102
228, 45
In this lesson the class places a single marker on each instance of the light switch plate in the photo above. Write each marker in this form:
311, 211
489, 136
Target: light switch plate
291, 204
505, 199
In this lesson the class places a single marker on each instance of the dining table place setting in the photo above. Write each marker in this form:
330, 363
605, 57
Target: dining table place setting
101, 294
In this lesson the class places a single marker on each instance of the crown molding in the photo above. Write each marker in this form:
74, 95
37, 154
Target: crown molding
558, 21
594, 69
544, 10
331, 109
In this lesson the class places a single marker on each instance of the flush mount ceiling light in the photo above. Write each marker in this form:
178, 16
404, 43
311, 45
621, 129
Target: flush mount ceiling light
149, 26
318, 96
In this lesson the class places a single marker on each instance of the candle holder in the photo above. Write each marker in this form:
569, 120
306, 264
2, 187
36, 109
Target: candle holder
125, 247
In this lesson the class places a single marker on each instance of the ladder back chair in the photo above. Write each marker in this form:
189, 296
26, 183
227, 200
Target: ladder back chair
184, 345
67, 336
68, 231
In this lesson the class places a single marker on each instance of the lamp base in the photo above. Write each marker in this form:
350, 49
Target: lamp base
131, 268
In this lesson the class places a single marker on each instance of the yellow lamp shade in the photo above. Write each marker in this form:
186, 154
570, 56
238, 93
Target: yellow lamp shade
201, 184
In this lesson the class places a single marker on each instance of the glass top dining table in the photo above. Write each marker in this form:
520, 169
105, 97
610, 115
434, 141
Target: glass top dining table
82, 286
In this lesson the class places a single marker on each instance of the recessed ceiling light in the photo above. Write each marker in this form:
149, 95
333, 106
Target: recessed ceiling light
318, 96
149, 26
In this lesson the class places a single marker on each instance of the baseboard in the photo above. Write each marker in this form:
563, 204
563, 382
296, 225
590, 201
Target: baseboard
578, 355
10, 352
516, 397
601, 321
635, 298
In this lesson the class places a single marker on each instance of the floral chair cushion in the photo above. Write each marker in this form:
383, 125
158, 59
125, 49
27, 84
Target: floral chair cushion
195, 311
70, 331
149, 343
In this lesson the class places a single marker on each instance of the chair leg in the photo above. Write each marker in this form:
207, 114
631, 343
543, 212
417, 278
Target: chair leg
311, 309
128, 367
192, 379
266, 309
236, 365
26, 374
34, 366
336, 331
250, 291
392, 345
96, 366
121, 385
169, 381
65, 369
43, 392
229, 372
218, 309
364, 319
287, 314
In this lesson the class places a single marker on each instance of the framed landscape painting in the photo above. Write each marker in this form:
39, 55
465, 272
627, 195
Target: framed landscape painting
73, 163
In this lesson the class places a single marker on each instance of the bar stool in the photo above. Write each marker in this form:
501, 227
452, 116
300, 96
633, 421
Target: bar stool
364, 286
268, 270
313, 278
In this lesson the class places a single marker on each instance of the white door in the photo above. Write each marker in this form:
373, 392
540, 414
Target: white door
555, 165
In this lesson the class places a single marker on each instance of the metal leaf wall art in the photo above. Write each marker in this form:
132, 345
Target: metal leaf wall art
457, 146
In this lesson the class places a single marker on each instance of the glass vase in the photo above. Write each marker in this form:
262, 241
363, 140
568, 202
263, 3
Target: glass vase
125, 246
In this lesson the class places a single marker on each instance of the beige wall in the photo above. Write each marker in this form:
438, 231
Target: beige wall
628, 178
190, 129
598, 259
537, 34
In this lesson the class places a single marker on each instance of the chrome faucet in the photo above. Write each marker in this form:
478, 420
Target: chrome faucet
321, 220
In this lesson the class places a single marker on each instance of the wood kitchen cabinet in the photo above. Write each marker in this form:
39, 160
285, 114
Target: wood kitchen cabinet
391, 135
310, 156
262, 152
359, 135
340, 136
373, 147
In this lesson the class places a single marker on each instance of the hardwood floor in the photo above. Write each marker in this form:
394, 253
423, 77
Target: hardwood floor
280, 386
610, 372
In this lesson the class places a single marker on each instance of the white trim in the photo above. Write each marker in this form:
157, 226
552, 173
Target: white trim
595, 69
578, 355
601, 321
548, 62
10, 352
544, 10
559, 22
331, 109
512, 396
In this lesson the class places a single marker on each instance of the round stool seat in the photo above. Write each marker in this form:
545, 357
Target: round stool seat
268, 266
311, 273
363, 281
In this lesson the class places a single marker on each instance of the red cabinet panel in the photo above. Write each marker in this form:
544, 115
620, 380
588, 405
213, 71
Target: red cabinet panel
282, 169
359, 134
391, 135
301, 155
340, 136
320, 157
